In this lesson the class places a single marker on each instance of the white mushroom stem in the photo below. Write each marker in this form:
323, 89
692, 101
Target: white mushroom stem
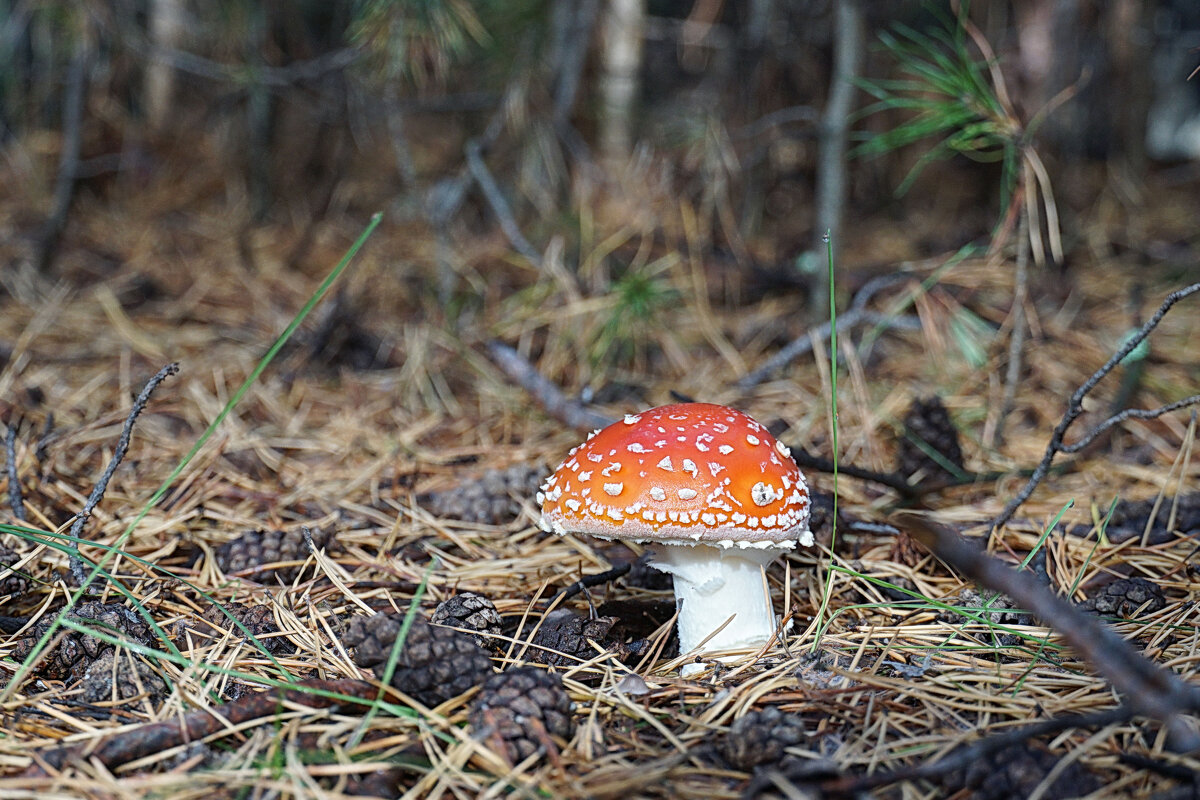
714, 583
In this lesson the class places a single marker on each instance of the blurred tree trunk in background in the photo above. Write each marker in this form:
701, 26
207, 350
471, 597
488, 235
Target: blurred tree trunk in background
571, 23
167, 25
623, 38
830, 200
1130, 40
1100, 50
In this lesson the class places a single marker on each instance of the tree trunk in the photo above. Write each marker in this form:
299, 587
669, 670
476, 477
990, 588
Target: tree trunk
166, 35
835, 121
621, 60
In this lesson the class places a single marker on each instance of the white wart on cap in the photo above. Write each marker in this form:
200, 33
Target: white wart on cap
705, 478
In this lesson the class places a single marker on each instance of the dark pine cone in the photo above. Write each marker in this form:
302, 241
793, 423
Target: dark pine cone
1130, 516
1016, 771
562, 639
129, 677
494, 498
435, 664
250, 551
12, 582
1001, 610
1124, 596
77, 651
472, 612
761, 737
928, 423
519, 711
214, 624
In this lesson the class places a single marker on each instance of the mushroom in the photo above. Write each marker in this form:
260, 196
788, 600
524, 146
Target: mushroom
714, 496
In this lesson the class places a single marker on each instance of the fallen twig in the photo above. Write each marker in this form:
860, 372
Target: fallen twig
892, 480
1146, 687
587, 582
982, 748
143, 740
547, 395
97, 494
1075, 406
498, 203
857, 314
1129, 413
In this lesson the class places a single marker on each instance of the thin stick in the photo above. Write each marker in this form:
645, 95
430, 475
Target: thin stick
889, 479
964, 756
144, 740
499, 204
803, 344
1146, 687
1075, 406
97, 494
588, 581
1129, 413
15, 500
548, 396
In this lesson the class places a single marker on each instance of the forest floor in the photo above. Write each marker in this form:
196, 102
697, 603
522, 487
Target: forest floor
385, 430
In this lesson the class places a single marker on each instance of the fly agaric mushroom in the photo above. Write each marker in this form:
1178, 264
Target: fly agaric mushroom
710, 491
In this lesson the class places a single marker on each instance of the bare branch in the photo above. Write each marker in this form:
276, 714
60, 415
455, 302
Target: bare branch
588, 581
803, 344
1129, 413
891, 480
143, 740
499, 204
1146, 687
1075, 406
982, 748
101, 487
548, 396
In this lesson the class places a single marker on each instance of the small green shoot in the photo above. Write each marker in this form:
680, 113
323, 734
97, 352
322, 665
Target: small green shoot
833, 401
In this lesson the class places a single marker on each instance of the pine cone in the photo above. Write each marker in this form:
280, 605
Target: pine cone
1001, 610
520, 712
129, 678
435, 664
1130, 516
473, 612
1016, 771
250, 551
492, 498
928, 423
761, 737
1124, 596
77, 651
11, 581
562, 638
213, 625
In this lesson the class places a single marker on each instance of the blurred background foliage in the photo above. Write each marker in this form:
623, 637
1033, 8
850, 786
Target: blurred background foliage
576, 124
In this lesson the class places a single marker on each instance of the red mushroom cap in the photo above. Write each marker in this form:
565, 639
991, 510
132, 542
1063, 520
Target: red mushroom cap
686, 473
